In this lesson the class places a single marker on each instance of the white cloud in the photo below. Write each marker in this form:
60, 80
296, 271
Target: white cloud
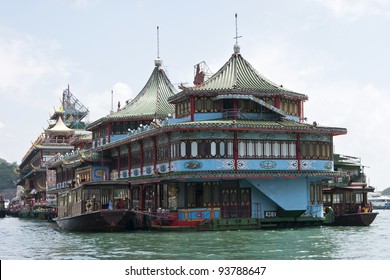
32, 76
28, 63
359, 106
1, 125
354, 9
99, 103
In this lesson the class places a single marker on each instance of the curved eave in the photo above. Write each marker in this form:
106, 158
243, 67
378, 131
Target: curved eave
150, 102
76, 160
258, 93
275, 126
238, 76
229, 175
130, 118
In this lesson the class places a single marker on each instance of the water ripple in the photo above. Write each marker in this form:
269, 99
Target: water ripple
25, 239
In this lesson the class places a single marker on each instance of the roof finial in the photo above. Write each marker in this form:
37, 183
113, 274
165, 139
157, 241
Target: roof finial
158, 42
236, 46
158, 61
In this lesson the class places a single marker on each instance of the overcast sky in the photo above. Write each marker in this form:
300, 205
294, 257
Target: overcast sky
335, 51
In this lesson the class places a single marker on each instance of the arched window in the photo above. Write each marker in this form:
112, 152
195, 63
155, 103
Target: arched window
222, 148
183, 151
213, 149
194, 149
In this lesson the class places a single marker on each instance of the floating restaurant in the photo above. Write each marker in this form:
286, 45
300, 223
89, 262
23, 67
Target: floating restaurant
231, 152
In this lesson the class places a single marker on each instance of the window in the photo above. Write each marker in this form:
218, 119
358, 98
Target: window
194, 149
241, 149
259, 149
183, 152
213, 149
284, 150
230, 148
276, 149
292, 150
251, 149
222, 148
267, 149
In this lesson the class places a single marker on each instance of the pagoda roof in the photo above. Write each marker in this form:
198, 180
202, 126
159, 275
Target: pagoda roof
282, 125
238, 76
60, 128
151, 102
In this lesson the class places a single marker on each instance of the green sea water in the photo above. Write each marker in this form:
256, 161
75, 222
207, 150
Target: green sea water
37, 240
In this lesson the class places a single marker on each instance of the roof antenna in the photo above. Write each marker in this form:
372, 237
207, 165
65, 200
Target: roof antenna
112, 102
236, 46
158, 61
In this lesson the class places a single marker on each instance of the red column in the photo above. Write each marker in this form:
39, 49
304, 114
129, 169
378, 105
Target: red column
119, 162
141, 157
129, 158
155, 154
300, 110
235, 150
298, 152
192, 105
277, 102
109, 128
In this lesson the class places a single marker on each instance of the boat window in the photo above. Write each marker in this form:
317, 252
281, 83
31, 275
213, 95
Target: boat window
348, 197
267, 149
292, 150
183, 151
276, 149
194, 149
241, 149
230, 148
337, 198
222, 148
359, 198
251, 148
91, 193
284, 150
259, 149
213, 149
327, 198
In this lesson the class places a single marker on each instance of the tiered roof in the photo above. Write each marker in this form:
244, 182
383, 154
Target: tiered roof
238, 76
150, 103
60, 128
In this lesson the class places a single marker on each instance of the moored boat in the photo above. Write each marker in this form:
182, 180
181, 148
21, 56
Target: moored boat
346, 198
379, 201
99, 206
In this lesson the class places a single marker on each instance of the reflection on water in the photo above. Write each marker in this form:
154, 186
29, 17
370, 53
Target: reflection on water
25, 239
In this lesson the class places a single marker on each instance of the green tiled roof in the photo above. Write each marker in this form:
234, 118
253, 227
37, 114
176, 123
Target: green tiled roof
238, 76
282, 125
228, 174
149, 103
276, 125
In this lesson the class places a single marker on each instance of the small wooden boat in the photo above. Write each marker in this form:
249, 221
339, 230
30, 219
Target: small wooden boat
95, 206
355, 219
348, 206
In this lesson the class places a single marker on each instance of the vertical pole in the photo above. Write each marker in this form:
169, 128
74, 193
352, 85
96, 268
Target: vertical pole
119, 162
235, 150
298, 150
192, 107
129, 159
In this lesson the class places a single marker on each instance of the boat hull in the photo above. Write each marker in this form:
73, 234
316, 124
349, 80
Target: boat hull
355, 219
102, 220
